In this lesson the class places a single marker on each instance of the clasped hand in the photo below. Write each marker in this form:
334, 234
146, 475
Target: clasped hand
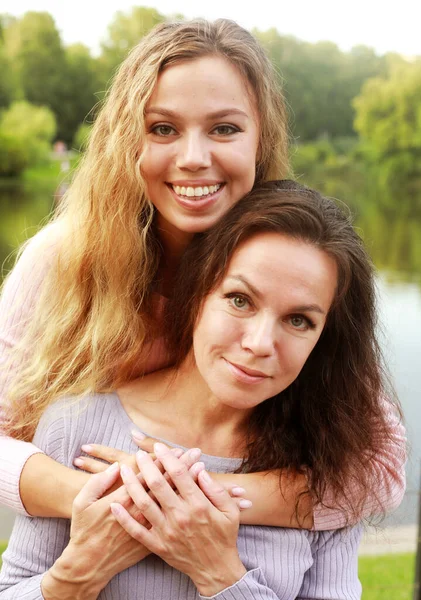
193, 527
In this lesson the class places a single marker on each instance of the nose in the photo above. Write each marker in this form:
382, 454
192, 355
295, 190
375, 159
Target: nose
259, 337
193, 152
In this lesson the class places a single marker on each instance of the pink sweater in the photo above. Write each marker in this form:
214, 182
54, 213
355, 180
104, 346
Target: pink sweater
16, 307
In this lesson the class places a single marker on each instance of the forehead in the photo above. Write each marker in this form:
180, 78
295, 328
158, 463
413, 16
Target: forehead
209, 81
280, 265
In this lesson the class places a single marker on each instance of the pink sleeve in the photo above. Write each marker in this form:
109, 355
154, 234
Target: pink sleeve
388, 479
16, 306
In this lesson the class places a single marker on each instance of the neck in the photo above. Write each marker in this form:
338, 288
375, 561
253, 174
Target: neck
174, 244
178, 406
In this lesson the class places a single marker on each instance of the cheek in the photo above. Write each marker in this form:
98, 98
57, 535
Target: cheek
154, 161
217, 330
294, 356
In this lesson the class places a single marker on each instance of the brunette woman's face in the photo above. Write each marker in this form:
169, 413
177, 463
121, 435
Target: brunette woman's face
258, 327
202, 138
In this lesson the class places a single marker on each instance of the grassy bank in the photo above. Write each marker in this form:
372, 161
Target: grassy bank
390, 576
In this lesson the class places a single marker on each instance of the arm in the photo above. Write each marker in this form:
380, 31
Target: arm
275, 506
23, 465
334, 572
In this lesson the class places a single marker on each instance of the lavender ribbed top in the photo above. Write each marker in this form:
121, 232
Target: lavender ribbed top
281, 563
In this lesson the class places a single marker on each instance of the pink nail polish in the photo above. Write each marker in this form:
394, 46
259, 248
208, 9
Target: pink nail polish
78, 462
125, 471
114, 467
160, 448
206, 477
238, 491
115, 508
87, 448
245, 504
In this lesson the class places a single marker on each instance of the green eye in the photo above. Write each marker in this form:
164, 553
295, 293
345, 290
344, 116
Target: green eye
239, 302
297, 321
163, 130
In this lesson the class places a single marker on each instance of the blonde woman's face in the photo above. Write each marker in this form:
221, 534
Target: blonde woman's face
202, 139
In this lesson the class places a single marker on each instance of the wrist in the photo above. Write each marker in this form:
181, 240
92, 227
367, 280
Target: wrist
220, 578
73, 577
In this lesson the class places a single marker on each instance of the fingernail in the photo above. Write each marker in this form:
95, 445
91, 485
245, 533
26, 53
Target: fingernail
138, 435
238, 491
86, 448
196, 468
177, 452
114, 467
160, 448
194, 454
141, 453
245, 504
115, 508
206, 477
125, 471
78, 462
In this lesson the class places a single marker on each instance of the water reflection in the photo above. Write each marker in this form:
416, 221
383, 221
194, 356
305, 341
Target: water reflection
23, 209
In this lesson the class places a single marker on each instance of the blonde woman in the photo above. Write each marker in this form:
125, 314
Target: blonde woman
194, 119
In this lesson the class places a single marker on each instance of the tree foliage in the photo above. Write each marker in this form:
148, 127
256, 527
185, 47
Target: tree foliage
26, 133
124, 32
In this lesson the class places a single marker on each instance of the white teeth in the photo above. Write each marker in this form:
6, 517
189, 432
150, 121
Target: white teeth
196, 192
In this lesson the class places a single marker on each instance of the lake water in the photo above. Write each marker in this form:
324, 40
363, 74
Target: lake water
394, 241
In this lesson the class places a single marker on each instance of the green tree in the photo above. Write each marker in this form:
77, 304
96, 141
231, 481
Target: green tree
7, 80
124, 32
388, 111
31, 127
33, 45
320, 82
388, 120
78, 91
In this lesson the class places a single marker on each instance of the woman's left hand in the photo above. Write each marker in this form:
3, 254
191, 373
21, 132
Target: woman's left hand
195, 530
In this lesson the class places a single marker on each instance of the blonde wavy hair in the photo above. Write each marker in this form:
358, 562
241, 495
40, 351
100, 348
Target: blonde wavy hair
94, 312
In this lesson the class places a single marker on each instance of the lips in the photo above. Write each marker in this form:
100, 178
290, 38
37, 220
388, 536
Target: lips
251, 372
245, 374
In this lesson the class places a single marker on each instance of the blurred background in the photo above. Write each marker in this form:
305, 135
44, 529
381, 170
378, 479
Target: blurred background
352, 79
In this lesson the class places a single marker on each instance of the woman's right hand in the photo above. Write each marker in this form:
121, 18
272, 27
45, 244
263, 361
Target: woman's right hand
99, 548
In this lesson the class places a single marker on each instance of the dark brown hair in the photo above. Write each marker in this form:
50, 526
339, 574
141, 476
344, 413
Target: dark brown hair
331, 420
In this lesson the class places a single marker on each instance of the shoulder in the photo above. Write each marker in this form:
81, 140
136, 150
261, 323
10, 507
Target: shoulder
65, 421
35, 259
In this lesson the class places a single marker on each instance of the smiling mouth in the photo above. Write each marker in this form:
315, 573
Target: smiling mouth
198, 192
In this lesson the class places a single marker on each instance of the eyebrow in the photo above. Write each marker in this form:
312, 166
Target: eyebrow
219, 114
301, 308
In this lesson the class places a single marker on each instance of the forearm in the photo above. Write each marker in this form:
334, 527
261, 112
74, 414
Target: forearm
73, 577
274, 499
250, 586
60, 485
